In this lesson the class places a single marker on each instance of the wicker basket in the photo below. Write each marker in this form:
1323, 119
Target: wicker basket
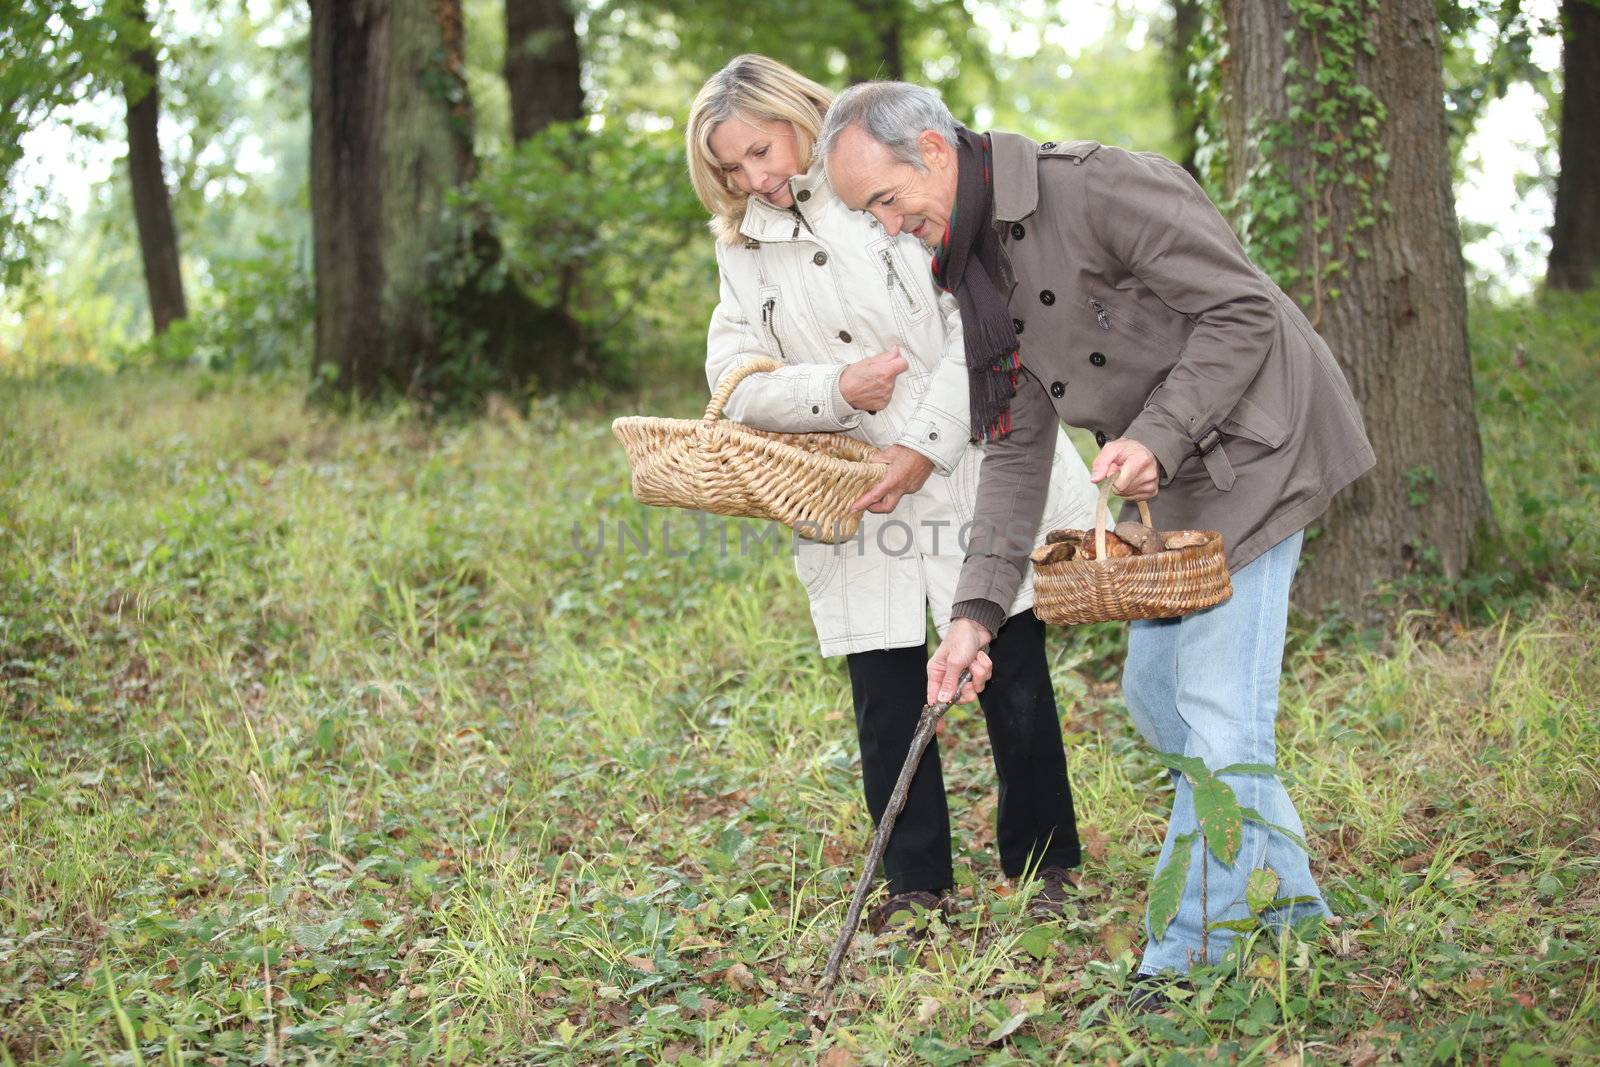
804, 480
1162, 585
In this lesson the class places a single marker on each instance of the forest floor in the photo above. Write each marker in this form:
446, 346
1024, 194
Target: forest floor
341, 739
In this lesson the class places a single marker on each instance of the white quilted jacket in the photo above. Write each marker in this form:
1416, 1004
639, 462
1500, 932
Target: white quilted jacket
818, 287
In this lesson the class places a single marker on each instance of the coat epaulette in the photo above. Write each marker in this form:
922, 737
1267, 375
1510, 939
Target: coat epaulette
1077, 151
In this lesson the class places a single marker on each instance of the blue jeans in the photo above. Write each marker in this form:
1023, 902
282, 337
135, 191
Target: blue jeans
1207, 686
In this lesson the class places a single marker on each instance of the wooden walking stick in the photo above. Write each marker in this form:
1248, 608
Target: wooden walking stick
926, 725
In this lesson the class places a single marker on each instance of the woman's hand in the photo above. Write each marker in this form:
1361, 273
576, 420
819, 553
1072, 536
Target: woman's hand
1135, 469
908, 471
868, 384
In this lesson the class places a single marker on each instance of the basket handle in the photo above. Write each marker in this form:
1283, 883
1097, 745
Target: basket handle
1102, 512
730, 382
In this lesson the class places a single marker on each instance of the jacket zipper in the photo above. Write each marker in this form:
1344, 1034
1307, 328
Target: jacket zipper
895, 281
769, 319
1100, 314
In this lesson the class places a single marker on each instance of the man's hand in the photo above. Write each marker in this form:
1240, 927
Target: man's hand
1137, 473
962, 649
908, 470
868, 384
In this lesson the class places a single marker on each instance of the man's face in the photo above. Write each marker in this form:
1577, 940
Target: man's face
868, 177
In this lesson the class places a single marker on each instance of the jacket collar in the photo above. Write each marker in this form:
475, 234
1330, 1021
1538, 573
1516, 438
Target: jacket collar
1016, 176
813, 197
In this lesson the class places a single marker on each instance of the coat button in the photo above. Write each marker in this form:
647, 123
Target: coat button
820, 258
1048, 145
1017, 324
933, 435
1097, 358
844, 335
1017, 232
803, 195
1058, 390
816, 410
1100, 438
1047, 298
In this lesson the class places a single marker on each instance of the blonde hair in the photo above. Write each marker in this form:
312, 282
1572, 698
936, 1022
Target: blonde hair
756, 89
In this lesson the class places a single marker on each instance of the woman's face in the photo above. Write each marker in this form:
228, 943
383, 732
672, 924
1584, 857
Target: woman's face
757, 158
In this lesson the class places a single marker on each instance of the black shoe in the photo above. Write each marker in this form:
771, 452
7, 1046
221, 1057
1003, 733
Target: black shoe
1149, 994
1057, 887
903, 909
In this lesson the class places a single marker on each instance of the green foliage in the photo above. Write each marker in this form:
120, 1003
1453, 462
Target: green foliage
1284, 215
1536, 395
1261, 889
53, 53
1166, 889
1488, 47
604, 225
341, 731
1109, 92
257, 316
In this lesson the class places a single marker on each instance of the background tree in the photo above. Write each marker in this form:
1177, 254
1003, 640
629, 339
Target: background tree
1337, 165
152, 206
1575, 237
543, 66
410, 296
1179, 42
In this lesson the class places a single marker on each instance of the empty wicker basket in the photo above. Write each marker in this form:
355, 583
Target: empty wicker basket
1161, 585
804, 480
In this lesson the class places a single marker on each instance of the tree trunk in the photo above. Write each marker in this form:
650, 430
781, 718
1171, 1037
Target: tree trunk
1575, 237
1186, 18
1381, 276
387, 141
543, 66
152, 208
878, 53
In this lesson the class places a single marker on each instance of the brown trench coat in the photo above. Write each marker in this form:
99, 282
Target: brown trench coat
1140, 316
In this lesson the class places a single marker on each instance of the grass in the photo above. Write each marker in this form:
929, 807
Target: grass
332, 740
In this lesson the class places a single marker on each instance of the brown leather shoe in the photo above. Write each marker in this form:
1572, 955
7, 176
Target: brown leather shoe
903, 909
1057, 888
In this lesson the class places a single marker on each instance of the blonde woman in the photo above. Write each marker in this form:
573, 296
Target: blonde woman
870, 348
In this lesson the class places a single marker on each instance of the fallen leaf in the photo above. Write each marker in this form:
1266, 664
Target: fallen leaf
1006, 1029
838, 1056
927, 1008
739, 977
640, 963
1095, 842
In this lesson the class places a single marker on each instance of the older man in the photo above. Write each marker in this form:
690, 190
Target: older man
1101, 288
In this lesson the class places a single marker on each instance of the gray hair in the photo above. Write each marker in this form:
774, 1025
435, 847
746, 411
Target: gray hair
892, 113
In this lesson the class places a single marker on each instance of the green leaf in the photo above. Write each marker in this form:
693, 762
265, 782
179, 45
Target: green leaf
1219, 813
313, 937
1006, 1029
1261, 889
1249, 768
1036, 941
1189, 765
1166, 891
1252, 815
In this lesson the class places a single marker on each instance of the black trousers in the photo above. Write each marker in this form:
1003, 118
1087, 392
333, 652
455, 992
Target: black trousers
1036, 828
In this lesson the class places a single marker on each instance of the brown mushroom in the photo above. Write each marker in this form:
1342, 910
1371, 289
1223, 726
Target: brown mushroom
1144, 540
1053, 553
1116, 547
1184, 539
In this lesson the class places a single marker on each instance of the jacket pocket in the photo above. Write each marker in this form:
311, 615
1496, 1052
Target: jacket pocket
1254, 422
910, 300
817, 566
1109, 318
769, 321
